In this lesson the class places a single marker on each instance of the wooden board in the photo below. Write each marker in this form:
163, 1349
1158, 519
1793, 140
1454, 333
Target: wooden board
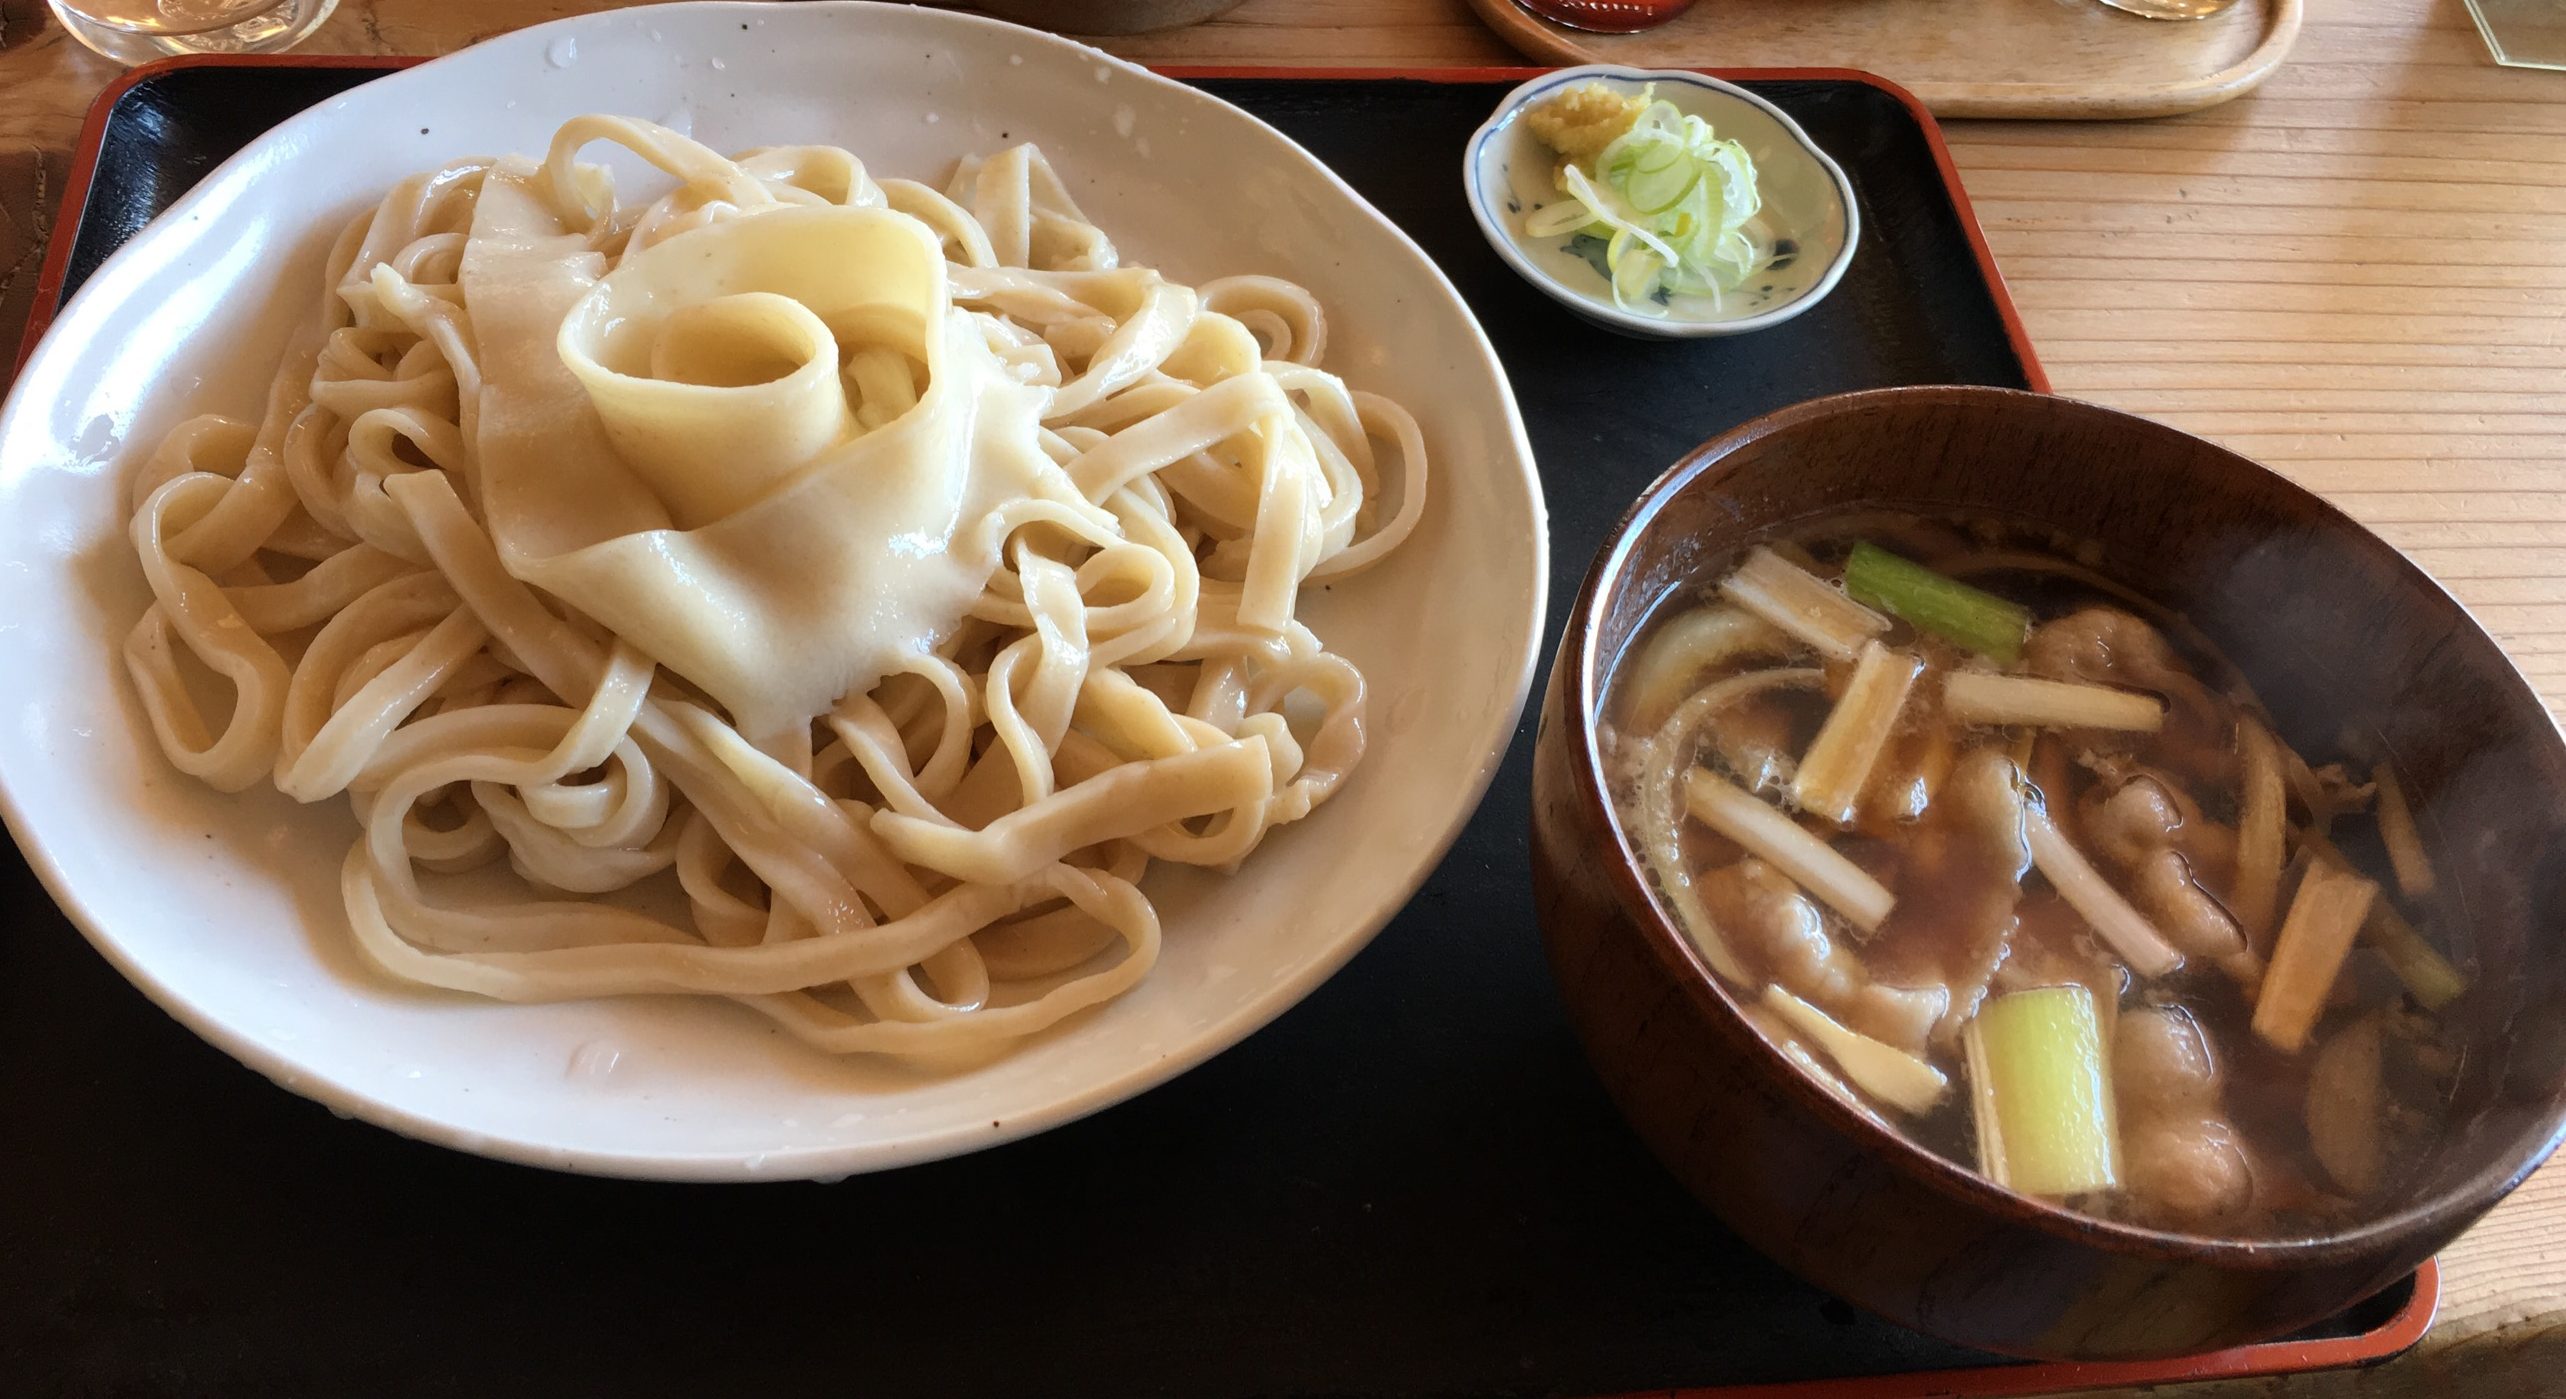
1965, 58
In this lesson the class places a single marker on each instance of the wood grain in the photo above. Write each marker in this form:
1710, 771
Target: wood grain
1965, 58
2139, 295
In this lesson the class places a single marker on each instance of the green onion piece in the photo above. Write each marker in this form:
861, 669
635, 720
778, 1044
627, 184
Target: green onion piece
2042, 1093
2427, 974
1922, 598
1671, 199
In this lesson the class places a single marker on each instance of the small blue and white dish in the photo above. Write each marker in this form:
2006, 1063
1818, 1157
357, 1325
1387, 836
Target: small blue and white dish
1809, 211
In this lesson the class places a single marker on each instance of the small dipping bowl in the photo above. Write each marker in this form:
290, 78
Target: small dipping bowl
1809, 207
2328, 622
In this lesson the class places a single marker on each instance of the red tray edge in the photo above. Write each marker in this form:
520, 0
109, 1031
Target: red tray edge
2399, 1333
48, 293
2389, 1339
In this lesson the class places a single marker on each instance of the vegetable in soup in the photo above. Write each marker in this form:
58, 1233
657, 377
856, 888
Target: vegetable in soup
2013, 861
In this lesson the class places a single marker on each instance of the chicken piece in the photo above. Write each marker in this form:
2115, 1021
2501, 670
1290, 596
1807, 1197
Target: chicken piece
2106, 646
2180, 1155
1963, 878
2148, 830
1578, 122
1985, 791
2191, 1170
1776, 927
2162, 1064
2129, 823
2196, 923
2161, 812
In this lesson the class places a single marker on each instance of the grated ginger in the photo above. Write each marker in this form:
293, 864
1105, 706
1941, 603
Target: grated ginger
1578, 122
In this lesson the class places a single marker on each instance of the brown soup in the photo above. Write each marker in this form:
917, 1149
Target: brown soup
2006, 856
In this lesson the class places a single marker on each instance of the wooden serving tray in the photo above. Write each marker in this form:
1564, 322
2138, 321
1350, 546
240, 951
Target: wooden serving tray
2046, 59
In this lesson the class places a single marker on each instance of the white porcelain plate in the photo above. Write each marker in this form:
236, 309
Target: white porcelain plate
224, 909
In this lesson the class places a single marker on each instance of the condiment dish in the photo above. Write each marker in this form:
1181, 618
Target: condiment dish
1809, 204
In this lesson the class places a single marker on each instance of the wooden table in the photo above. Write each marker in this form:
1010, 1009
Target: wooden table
2357, 275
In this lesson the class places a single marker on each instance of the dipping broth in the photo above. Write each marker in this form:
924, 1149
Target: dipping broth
2012, 860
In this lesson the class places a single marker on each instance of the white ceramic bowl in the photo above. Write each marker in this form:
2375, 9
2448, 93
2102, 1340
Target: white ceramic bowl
1807, 200
225, 909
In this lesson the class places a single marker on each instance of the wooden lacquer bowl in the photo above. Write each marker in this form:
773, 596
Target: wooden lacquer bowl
2328, 621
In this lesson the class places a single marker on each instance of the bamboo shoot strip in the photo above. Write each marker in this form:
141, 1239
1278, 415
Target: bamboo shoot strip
2428, 975
1838, 764
1928, 601
1801, 603
2122, 928
1980, 697
2316, 936
2397, 831
1766, 833
2042, 1093
1884, 1071
2262, 834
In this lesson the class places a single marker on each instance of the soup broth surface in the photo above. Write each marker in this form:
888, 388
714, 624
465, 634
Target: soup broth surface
2012, 859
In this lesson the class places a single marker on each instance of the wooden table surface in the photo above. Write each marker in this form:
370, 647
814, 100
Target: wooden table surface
2357, 275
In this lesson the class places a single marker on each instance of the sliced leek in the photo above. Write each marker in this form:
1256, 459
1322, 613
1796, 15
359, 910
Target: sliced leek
1779, 841
2041, 1090
1801, 603
2123, 928
1979, 697
2429, 976
1672, 201
2406, 856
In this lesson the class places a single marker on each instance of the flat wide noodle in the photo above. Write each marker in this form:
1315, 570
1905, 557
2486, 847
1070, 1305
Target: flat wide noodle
861, 584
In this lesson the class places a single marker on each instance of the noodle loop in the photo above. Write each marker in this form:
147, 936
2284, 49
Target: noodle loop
823, 593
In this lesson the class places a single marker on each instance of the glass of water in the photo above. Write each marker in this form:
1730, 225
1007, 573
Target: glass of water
138, 31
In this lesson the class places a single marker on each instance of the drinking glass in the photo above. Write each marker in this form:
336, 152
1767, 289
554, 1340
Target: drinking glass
2523, 33
138, 31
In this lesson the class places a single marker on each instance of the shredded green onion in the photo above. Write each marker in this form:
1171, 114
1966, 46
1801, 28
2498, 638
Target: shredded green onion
1924, 599
1671, 200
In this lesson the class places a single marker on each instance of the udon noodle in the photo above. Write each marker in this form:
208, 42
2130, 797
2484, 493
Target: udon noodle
896, 572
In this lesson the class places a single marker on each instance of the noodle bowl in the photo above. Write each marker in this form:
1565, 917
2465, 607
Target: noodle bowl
891, 570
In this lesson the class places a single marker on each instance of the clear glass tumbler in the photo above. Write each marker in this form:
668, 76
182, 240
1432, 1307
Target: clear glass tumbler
138, 31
